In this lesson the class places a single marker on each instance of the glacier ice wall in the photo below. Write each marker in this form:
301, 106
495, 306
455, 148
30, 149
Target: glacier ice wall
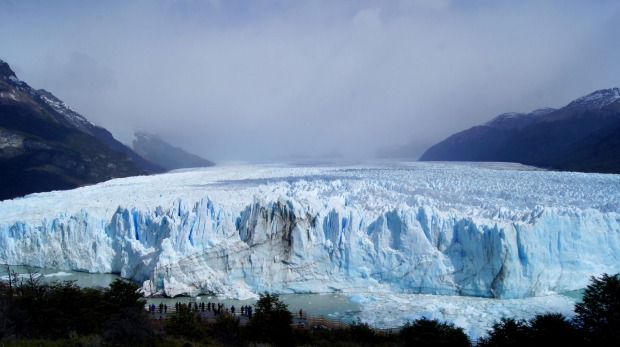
455, 229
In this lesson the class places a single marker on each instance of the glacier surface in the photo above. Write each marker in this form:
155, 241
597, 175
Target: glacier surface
486, 229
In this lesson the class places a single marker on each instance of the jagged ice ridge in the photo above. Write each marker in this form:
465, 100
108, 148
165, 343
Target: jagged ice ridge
488, 230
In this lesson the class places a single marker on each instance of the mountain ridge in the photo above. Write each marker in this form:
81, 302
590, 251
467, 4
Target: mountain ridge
569, 138
158, 151
46, 145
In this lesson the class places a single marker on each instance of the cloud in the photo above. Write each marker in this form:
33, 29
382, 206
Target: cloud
261, 79
78, 72
437, 5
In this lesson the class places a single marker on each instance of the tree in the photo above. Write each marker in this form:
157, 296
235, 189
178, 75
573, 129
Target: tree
554, 329
598, 315
426, 332
122, 294
227, 330
362, 334
271, 321
184, 324
128, 326
507, 332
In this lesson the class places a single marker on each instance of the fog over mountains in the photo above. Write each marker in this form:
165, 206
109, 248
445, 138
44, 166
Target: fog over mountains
46, 145
160, 152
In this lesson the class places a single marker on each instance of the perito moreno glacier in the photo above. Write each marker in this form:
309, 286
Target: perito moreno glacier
488, 230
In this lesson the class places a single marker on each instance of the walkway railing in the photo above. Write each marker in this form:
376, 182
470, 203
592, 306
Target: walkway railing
306, 322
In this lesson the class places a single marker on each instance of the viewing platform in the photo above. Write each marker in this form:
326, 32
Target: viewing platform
305, 322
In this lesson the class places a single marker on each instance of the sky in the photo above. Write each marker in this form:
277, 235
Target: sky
257, 80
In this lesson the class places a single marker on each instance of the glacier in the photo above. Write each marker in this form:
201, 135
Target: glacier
491, 230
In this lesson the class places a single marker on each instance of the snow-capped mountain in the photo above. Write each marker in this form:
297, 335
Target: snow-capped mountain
597, 100
63, 112
517, 120
481, 143
489, 230
581, 136
46, 145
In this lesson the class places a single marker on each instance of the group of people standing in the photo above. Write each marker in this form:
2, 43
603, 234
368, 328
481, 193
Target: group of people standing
216, 308
163, 308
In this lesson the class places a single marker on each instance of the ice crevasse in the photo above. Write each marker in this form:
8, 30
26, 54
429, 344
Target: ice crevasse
353, 229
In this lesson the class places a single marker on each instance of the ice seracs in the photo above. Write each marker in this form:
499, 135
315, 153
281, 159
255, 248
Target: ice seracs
489, 230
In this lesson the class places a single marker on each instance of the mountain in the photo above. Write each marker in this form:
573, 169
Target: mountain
481, 143
469, 229
581, 136
160, 152
46, 145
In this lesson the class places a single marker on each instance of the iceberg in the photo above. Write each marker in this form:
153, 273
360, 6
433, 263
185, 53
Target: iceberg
491, 230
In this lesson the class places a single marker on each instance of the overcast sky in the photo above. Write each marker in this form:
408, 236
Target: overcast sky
263, 79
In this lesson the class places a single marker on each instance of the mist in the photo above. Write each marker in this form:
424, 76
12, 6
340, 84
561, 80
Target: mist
269, 80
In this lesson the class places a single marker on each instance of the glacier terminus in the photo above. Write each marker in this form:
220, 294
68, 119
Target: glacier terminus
492, 230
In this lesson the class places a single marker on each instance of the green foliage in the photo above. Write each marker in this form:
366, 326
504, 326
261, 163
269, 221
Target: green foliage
123, 293
59, 310
426, 332
271, 321
184, 324
128, 326
506, 332
543, 329
227, 330
554, 329
362, 333
598, 315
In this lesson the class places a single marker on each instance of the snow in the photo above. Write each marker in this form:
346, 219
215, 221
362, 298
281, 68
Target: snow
491, 230
15, 80
598, 99
63, 109
511, 117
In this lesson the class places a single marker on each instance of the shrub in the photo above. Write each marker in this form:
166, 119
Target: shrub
507, 332
426, 332
271, 321
227, 330
598, 315
184, 324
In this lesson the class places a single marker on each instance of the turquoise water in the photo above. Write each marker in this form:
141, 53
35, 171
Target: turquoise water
333, 305
574, 294
82, 279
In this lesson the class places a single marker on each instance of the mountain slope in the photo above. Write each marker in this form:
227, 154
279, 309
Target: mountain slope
160, 152
580, 137
77, 121
45, 145
482, 143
